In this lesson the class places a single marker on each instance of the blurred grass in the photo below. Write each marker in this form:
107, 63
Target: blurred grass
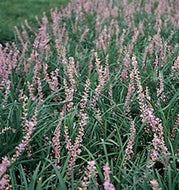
14, 12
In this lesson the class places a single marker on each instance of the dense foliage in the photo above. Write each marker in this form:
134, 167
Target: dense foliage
90, 99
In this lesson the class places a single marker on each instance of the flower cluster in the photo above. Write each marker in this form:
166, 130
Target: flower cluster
56, 140
4, 180
129, 149
107, 184
173, 134
88, 174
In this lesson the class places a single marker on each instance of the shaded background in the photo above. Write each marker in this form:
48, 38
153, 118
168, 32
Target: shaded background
14, 12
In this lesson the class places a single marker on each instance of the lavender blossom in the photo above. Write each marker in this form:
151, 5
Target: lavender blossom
107, 185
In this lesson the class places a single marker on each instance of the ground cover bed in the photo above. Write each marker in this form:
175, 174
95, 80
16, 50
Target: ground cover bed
89, 100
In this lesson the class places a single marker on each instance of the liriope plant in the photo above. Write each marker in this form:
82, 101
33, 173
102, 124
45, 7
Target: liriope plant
89, 100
